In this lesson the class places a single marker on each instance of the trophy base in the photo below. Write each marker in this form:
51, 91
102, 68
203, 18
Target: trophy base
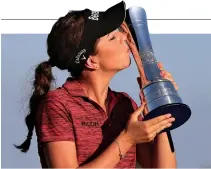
181, 112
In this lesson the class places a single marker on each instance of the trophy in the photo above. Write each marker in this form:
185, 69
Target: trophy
159, 94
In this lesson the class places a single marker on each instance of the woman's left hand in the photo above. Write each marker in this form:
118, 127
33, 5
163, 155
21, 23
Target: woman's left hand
165, 74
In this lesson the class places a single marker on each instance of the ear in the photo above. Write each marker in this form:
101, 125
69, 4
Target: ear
92, 62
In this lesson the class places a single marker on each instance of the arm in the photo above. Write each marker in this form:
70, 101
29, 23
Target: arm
162, 155
144, 154
67, 157
156, 154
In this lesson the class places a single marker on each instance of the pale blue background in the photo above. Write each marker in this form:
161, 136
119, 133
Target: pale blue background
187, 57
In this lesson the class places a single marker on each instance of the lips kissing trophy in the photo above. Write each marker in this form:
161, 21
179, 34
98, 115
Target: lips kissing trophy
159, 94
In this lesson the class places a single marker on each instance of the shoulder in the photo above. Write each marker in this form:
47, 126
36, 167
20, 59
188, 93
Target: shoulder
54, 102
56, 95
53, 118
53, 108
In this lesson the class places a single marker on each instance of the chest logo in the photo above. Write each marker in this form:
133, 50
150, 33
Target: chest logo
90, 124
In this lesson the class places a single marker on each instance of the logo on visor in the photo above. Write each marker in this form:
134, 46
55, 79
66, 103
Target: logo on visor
80, 56
94, 15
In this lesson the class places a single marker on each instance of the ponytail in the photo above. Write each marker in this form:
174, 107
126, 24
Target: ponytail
42, 84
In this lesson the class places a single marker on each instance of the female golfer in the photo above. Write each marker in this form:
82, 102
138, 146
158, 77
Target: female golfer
83, 123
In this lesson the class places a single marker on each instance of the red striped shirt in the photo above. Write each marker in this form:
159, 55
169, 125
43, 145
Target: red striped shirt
68, 114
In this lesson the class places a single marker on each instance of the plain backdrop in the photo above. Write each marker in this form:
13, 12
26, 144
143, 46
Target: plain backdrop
187, 57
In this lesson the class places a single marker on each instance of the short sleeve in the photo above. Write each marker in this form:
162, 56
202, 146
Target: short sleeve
135, 106
53, 121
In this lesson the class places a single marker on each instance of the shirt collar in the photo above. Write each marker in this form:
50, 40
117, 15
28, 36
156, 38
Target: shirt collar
74, 88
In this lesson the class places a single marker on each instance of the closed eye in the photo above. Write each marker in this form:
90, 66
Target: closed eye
112, 38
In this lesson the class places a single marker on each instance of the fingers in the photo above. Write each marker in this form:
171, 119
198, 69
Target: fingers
163, 127
151, 134
153, 130
125, 30
164, 72
124, 27
157, 120
135, 115
160, 66
175, 85
168, 76
130, 41
157, 128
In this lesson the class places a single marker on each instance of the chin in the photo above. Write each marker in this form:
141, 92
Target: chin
126, 65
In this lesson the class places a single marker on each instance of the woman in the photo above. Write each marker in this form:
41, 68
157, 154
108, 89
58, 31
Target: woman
84, 123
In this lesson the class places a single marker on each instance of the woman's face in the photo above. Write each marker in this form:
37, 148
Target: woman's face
113, 52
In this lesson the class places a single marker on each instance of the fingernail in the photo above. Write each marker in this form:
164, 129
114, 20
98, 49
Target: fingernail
168, 115
170, 124
173, 119
159, 64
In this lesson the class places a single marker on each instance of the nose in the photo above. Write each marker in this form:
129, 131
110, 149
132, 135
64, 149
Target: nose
122, 37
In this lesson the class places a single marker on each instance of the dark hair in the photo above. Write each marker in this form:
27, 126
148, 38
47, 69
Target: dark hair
65, 33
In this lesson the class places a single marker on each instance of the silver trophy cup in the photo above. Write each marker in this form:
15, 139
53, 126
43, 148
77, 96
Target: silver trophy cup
160, 95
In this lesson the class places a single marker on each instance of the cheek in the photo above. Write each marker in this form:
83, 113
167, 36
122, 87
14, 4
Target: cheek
109, 62
107, 54
115, 61
113, 56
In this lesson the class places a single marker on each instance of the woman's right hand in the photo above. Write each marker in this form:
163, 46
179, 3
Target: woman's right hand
145, 131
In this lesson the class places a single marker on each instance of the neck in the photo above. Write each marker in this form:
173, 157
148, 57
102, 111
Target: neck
96, 88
